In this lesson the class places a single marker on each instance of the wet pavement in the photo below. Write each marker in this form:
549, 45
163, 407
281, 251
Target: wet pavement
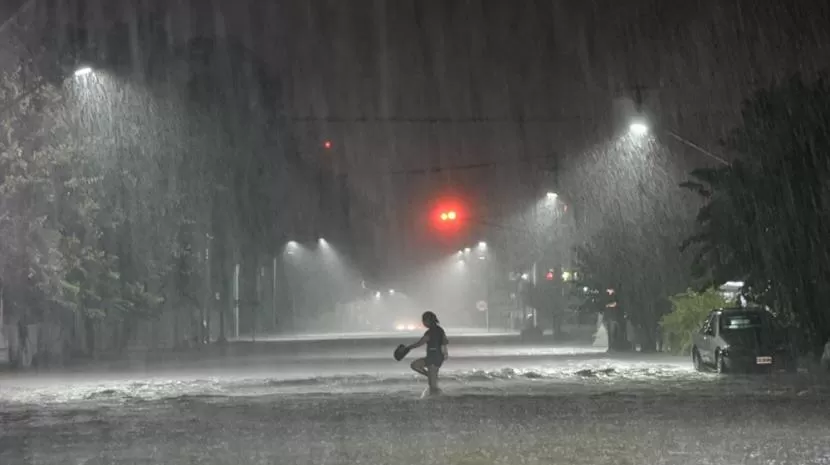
502, 404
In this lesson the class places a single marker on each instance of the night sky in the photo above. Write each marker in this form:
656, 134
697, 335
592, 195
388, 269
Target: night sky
558, 65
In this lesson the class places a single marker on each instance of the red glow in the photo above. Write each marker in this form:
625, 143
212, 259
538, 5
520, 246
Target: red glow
447, 216
549, 276
327, 144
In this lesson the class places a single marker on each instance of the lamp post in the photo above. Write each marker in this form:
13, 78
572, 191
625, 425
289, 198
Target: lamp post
639, 128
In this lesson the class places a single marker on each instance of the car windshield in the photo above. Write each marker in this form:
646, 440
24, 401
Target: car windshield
740, 321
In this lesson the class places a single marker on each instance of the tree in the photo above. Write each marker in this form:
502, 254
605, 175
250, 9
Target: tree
767, 214
689, 310
643, 266
29, 265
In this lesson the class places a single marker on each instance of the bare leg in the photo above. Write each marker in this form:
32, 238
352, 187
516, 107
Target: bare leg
420, 366
432, 371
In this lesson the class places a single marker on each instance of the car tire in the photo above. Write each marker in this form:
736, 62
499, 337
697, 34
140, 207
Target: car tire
720, 364
696, 360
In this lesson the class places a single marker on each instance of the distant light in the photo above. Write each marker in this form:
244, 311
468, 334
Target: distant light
482, 245
449, 215
638, 128
291, 247
410, 327
391, 292
566, 275
552, 195
83, 71
482, 257
400, 327
549, 276
377, 295
525, 276
585, 289
327, 145
322, 242
467, 250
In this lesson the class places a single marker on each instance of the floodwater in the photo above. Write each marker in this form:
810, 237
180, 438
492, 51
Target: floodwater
502, 404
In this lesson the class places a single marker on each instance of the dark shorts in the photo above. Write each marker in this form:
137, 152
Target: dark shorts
434, 358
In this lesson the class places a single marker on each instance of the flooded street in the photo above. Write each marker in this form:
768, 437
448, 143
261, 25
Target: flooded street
502, 404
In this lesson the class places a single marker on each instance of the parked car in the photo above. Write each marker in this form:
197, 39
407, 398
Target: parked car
733, 339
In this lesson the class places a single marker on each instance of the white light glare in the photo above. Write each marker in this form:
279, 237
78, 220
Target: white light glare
82, 71
482, 245
391, 292
377, 295
467, 250
323, 242
291, 247
552, 195
638, 128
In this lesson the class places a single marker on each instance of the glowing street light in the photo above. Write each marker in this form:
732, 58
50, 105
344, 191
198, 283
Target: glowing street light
482, 245
83, 71
391, 292
552, 195
638, 128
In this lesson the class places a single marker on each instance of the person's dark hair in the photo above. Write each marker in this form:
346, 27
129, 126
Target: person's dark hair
429, 318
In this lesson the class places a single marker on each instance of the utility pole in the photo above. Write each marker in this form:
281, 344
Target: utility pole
236, 301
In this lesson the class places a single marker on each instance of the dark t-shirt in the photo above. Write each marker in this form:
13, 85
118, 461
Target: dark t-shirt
437, 338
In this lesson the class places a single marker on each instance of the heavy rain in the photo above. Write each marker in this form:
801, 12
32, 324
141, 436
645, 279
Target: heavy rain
414, 232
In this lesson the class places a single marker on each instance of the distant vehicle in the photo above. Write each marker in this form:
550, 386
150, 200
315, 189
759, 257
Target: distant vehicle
407, 326
733, 339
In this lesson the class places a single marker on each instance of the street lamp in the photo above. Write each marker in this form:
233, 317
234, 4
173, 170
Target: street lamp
638, 128
482, 245
82, 71
552, 195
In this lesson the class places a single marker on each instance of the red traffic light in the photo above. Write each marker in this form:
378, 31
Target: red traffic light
327, 144
449, 215
549, 276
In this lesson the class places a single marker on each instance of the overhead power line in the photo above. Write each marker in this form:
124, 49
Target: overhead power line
434, 120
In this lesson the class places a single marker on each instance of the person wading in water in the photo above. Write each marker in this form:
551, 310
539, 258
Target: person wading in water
436, 341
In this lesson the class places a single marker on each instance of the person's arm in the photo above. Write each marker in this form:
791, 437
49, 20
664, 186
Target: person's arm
421, 342
444, 350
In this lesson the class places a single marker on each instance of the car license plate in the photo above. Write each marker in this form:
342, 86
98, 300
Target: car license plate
763, 360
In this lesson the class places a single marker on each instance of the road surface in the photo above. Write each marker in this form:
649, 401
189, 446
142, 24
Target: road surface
324, 404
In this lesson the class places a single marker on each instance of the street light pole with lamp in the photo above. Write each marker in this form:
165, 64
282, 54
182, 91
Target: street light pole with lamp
640, 128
